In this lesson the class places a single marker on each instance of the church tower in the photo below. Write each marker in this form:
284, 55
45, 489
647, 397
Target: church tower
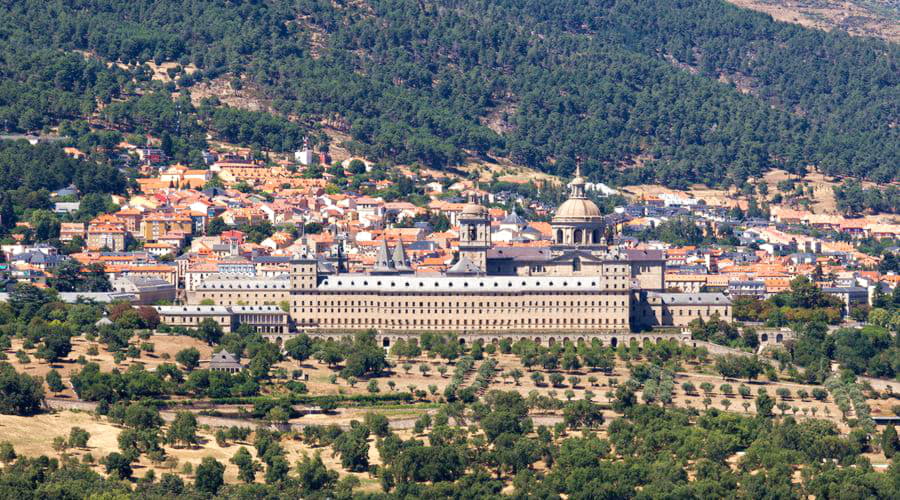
474, 235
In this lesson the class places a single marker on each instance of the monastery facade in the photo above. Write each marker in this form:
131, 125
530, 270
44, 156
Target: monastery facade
579, 284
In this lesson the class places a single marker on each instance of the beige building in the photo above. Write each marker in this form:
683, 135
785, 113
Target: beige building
161, 271
579, 284
157, 225
461, 304
686, 283
109, 236
263, 319
679, 309
191, 316
68, 231
241, 291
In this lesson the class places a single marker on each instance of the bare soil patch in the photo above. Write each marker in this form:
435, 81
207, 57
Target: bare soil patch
855, 17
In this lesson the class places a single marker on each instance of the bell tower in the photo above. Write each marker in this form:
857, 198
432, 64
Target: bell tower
474, 235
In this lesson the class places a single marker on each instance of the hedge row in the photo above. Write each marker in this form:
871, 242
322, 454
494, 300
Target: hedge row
361, 399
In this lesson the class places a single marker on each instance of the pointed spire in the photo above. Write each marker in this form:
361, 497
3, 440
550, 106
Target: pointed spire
401, 262
383, 262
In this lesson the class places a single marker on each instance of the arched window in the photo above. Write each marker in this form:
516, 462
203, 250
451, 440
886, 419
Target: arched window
576, 264
578, 236
595, 236
559, 236
473, 232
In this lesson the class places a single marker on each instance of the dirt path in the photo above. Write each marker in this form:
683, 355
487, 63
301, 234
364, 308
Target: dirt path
167, 415
404, 423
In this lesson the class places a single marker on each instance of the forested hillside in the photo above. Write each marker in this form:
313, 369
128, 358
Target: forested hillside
616, 85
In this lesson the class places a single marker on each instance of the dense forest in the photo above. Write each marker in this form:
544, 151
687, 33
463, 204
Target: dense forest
29, 173
852, 198
612, 84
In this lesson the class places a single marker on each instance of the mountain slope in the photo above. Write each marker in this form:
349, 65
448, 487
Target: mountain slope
601, 82
875, 18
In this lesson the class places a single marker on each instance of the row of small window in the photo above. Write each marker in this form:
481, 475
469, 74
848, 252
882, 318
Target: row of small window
438, 305
193, 320
248, 287
479, 322
340, 310
709, 311
465, 284
241, 296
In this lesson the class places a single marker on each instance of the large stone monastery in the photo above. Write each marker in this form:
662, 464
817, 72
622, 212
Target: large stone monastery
579, 284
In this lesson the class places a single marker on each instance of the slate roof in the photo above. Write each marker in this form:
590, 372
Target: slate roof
464, 267
694, 299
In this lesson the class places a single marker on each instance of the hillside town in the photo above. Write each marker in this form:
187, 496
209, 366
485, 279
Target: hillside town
305, 301
182, 234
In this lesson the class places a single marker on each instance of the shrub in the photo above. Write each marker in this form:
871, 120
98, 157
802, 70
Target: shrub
78, 437
819, 394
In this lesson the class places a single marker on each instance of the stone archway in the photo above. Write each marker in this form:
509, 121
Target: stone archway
764, 337
779, 338
614, 342
386, 342
537, 340
462, 341
551, 341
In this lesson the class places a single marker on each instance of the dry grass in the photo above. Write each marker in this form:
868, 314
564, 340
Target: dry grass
850, 16
160, 71
823, 199
507, 171
318, 384
249, 97
164, 345
34, 435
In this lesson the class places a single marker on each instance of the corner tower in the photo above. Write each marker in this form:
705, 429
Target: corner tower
304, 273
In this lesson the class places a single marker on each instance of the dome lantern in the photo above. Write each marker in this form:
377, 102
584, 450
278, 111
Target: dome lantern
578, 220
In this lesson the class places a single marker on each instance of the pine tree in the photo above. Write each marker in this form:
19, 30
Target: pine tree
889, 442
